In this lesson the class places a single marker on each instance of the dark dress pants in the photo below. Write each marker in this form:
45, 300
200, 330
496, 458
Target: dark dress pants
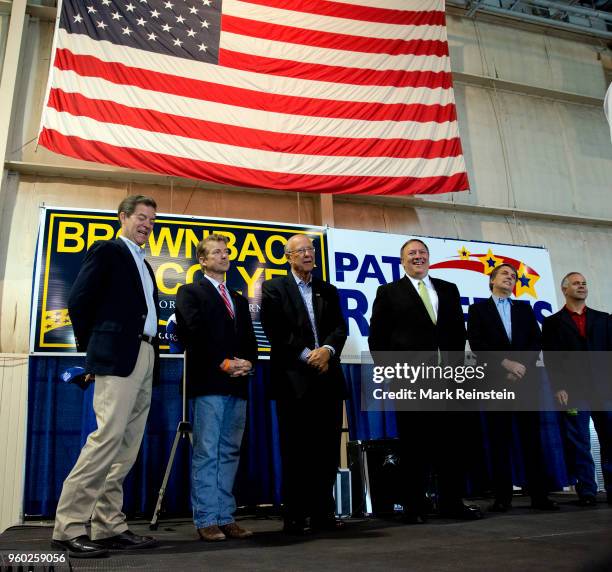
431, 442
310, 429
500, 424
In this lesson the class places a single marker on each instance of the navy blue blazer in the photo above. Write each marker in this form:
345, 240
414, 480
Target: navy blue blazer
108, 309
486, 333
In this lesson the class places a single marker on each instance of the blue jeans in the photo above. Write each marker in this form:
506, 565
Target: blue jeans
218, 425
578, 449
578, 452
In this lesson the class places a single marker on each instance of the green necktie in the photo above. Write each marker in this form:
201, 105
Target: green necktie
426, 300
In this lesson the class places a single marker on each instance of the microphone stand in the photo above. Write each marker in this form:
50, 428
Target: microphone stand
183, 430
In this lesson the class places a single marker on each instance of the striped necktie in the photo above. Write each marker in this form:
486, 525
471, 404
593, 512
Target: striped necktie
225, 297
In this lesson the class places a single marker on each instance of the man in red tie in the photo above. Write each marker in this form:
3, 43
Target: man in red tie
214, 324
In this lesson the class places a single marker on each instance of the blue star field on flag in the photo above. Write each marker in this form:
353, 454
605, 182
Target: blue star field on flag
186, 29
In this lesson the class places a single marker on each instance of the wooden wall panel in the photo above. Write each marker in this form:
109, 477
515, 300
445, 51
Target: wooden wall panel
201, 201
13, 413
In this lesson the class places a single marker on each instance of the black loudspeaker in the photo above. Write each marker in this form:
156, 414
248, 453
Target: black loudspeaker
375, 476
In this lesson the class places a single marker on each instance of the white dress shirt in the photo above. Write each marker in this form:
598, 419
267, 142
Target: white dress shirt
216, 284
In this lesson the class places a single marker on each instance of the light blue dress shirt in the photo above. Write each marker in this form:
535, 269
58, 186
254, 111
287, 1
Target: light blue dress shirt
150, 327
305, 289
504, 306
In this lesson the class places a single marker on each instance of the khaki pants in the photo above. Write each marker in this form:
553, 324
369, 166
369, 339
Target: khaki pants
94, 487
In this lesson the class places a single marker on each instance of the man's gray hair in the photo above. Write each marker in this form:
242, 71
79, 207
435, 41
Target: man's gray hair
565, 279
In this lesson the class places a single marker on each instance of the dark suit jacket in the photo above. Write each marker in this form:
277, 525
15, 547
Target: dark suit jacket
486, 333
108, 309
561, 341
210, 335
286, 323
400, 321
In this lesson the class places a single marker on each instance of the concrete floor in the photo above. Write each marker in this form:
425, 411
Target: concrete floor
573, 539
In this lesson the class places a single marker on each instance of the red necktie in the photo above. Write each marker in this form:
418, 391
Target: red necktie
225, 297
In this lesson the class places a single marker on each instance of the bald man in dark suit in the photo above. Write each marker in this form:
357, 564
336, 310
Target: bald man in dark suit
302, 318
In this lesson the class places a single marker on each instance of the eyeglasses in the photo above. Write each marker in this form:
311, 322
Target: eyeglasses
303, 251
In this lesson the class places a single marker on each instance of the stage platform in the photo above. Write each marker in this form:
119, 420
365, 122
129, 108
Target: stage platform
573, 539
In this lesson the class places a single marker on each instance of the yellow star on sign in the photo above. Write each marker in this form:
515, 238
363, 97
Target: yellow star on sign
464, 253
490, 261
525, 282
55, 319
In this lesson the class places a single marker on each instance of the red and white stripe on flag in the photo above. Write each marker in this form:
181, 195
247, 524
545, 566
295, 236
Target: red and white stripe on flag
306, 95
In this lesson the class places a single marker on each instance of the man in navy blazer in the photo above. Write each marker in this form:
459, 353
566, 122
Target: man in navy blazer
577, 341
113, 308
509, 332
418, 313
214, 324
302, 318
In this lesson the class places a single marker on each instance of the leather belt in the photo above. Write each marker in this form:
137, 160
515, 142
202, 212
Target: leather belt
148, 339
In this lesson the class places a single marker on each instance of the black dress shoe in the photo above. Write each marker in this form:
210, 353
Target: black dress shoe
296, 527
544, 504
413, 518
127, 541
80, 547
462, 512
587, 500
328, 523
500, 506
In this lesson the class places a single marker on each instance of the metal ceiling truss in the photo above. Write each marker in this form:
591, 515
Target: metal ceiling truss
552, 13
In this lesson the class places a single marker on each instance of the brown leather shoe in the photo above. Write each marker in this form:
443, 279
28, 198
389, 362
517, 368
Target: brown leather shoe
233, 530
211, 533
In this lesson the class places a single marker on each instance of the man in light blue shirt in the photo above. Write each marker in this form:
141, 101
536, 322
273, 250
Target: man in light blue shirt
505, 333
114, 318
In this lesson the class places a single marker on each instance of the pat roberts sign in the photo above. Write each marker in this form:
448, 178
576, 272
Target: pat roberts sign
361, 261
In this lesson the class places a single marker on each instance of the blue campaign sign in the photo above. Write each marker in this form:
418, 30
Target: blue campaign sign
361, 261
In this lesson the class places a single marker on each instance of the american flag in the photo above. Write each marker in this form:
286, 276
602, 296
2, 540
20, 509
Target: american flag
340, 96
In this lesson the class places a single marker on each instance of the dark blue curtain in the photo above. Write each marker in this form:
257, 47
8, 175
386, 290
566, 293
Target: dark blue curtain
364, 425
60, 416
